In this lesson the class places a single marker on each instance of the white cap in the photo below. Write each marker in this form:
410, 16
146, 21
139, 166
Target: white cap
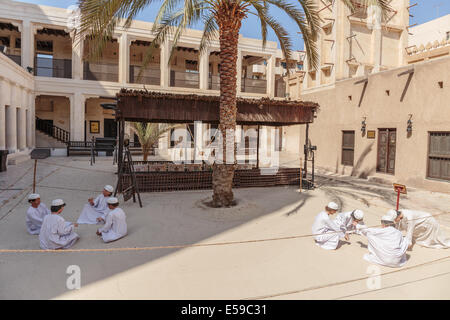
58, 202
358, 214
388, 218
33, 196
109, 188
392, 214
333, 206
112, 200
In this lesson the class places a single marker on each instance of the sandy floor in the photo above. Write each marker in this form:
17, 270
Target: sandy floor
283, 269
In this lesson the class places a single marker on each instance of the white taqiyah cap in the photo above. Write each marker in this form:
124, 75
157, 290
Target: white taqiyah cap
392, 213
358, 214
109, 188
333, 206
388, 217
112, 200
58, 202
33, 196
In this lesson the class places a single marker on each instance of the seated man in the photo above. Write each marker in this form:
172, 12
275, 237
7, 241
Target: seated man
55, 232
421, 228
95, 211
347, 221
35, 213
115, 226
326, 232
387, 246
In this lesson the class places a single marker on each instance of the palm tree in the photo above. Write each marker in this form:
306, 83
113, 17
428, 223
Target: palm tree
222, 19
148, 135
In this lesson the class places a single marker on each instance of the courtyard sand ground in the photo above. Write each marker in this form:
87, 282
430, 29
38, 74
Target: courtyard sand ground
283, 269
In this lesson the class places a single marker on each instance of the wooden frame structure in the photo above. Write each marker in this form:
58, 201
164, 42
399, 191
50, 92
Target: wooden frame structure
147, 106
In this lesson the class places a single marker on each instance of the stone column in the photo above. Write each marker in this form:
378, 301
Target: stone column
11, 119
198, 142
30, 119
270, 76
77, 115
124, 58
27, 44
204, 69
2, 115
377, 39
164, 64
77, 57
22, 123
22, 129
239, 71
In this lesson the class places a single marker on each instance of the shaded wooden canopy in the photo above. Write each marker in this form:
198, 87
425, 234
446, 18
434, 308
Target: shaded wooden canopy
147, 106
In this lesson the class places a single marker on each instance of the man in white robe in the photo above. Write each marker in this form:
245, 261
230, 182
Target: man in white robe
115, 226
95, 211
35, 214
326, 232
347, 221
387, 246
421, 228
55, 232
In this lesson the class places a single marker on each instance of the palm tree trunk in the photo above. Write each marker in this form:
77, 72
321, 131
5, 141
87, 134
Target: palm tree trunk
223, 173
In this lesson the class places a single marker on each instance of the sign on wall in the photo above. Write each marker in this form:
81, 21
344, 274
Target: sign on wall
94, 126
371, 134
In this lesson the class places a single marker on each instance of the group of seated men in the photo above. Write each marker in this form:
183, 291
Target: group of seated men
56, 233
386, 245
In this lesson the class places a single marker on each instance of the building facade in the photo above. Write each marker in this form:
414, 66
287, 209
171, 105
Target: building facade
67, 89
384, 112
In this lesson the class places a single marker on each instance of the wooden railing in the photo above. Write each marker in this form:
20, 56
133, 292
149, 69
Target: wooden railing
53, 131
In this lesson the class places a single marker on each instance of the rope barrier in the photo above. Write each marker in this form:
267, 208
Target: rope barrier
181, 246
345, 281
24, 191
72, 167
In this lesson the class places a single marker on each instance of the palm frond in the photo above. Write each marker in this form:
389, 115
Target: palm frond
210, 31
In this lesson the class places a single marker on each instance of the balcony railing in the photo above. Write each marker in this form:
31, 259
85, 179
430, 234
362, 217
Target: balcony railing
101, 71
15, 58
184, 79
253, 85
54, 68
214, 82
150, 75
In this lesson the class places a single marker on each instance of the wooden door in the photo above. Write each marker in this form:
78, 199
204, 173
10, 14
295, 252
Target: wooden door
386, 150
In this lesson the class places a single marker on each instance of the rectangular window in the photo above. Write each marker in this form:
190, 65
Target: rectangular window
448, 35
348, 148
439, 155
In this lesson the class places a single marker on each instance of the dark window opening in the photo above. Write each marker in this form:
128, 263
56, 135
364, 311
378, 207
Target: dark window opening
348, 148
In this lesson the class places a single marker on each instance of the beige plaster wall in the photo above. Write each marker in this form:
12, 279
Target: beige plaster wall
424, 99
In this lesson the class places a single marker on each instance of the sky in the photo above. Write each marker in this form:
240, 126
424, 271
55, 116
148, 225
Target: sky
425, 11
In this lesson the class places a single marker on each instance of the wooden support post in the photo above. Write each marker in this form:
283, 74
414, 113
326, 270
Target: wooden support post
34, 176
257, 150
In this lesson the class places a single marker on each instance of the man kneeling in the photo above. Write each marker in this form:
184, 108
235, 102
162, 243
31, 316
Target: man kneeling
56, 233
387, 246
326, 232
115, 226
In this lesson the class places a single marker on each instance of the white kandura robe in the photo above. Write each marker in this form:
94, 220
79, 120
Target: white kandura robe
35, 216
422, 228
56, 233
345, 222
387, 246
115, 225
323, 225
90, 212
